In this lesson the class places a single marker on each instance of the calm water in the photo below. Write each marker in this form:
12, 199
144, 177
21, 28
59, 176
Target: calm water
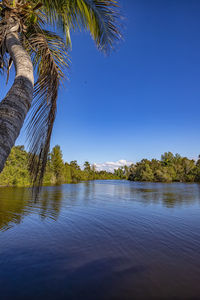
101, 240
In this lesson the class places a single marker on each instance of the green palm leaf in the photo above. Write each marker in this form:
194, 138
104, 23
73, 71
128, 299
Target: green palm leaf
50, 57
100, 17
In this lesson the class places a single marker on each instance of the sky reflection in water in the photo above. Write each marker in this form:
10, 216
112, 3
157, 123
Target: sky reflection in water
101, 240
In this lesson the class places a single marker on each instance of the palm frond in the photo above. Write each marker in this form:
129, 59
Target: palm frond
100, 17
50, 58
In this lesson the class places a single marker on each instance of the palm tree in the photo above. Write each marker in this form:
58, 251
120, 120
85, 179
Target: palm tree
26, 41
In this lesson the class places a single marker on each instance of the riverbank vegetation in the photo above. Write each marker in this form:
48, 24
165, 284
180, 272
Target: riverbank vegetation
170, 168
16, 171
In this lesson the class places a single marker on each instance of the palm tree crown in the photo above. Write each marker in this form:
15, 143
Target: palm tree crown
50, 54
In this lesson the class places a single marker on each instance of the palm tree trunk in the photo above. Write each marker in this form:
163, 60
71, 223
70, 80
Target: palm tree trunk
14, 107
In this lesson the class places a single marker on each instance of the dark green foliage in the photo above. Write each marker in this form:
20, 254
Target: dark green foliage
57, 164
170, 168
16, 170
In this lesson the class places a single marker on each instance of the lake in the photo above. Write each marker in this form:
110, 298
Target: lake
101, 240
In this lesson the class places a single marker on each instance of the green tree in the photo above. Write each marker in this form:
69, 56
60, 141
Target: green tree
93, 172
57, 164
88, 174
74, 164
67, 173
24, 39
16, 168
119, 173
162, 175
87, 166
167, 158
143, 171
76, 173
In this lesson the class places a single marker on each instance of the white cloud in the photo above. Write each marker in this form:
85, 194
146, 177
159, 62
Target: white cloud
111, 165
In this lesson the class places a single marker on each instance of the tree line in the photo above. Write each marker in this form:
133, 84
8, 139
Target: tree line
170, 168
16, 172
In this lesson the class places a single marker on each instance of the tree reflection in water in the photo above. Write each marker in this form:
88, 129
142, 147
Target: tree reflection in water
15, 203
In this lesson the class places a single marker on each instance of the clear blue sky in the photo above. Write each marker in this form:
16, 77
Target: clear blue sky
142, 100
